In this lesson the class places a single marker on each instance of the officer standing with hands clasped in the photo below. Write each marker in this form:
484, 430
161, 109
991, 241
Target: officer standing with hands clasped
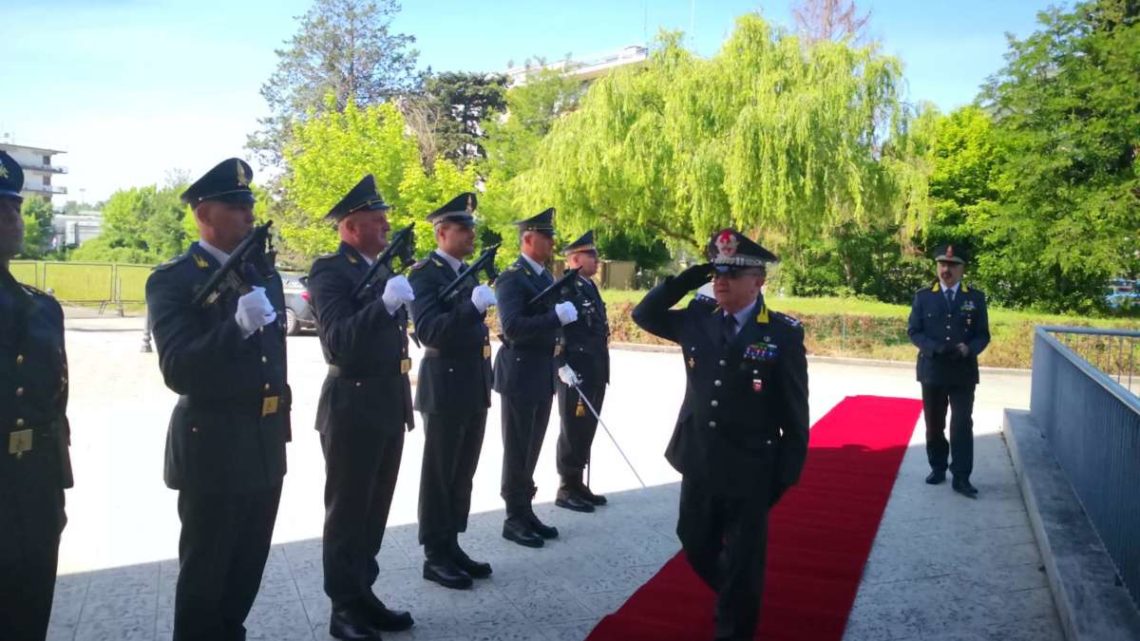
587, 354
525, 372
225, 448
453, 392
34, 465
364, 408
741, 438
950, 327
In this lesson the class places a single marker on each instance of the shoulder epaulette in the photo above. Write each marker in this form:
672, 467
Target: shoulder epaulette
513, 268
35, 291
172, 262
420, 264
790, 320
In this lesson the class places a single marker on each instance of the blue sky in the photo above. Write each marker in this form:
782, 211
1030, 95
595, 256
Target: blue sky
136, 89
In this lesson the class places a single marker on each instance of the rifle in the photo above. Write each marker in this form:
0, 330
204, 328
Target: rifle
485, 263
402, 246
252, 251
559, 289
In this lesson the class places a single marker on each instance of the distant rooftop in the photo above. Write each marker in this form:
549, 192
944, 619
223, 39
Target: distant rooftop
586, 68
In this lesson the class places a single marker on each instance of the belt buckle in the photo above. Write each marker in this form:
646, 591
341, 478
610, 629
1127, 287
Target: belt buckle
405, 365
19, 442
269, 405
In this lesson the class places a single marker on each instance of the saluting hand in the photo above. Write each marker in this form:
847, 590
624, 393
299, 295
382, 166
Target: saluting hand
694, 276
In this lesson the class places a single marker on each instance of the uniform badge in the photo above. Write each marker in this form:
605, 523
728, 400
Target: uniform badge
269, 405
242, 178
3, 171
202, 263
969, 306
726, 243
692, 362
757, 385
19, 442
470, 204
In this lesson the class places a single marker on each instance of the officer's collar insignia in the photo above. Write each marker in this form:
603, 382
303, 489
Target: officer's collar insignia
201, 261
351, 258
470, 204
762, 317
242, 178
438, 262
3, 171
964, 288
726, 244
937, 287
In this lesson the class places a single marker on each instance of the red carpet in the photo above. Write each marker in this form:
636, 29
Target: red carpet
820, 535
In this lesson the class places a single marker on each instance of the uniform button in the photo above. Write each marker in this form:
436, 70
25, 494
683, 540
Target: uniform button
717, 382
19, 422
194, 429
451, 370
715, 403
267, 387
19, 391
712, 424
722, 363
358, 383
19, 359
264, 359
947, 338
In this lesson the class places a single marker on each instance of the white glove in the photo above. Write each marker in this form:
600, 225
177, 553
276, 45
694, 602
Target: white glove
397, 291
254, 311
566, 311
483, 297
568, 375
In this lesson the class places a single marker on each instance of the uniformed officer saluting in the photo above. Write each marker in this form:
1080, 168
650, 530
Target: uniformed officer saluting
587, 353
225, 449
741, 437
34, 464
365, 406
524, 374
949, 325
454, 392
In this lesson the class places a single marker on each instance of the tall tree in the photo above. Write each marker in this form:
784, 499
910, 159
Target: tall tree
461, 102
767, 135
37, 214
140, 225
345, 48
1065, 109
818, 20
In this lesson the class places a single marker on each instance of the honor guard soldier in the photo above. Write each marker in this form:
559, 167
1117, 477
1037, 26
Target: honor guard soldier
225, 448
525, 374
741, 437
34, 466
949, 326
453, 392
364, 409
586, 351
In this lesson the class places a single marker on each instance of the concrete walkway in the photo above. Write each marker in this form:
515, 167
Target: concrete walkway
943, 567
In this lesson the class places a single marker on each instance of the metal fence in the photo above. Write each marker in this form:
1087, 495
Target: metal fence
1091, 420
77, 282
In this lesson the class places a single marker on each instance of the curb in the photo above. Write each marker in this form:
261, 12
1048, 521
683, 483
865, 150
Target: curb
1091, 600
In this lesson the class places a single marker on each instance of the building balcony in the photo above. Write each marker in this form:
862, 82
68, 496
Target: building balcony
50, 190
42, 168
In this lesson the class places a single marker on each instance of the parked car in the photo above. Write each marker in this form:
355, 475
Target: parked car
299, 313
1123, 294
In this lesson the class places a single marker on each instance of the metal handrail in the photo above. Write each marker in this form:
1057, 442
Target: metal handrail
1114, 385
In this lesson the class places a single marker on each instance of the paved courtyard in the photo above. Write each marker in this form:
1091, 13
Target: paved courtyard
942, 568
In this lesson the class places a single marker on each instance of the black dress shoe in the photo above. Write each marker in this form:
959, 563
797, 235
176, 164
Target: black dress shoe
446, 573
596, 499
935, 477
476, 569
518, 530
542, 529
352, 624
963, 487
387, 620
572, 501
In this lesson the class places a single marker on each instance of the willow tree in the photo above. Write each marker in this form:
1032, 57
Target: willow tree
770, 135
329, 152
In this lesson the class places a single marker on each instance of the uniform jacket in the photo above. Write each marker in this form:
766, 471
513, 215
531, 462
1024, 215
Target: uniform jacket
366, 347
935, 326
525, 364
745, 411
586, 340
229, 428
455, 373
33, 388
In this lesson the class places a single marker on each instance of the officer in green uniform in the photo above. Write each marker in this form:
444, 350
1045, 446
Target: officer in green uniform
225, 448
34, 464
525, 374
453, 392
364, 409
741, 438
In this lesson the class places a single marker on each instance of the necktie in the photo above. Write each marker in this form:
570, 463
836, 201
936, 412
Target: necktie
950, 297
728, 328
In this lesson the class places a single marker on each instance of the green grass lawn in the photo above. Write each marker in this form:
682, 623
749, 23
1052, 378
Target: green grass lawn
870, 329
